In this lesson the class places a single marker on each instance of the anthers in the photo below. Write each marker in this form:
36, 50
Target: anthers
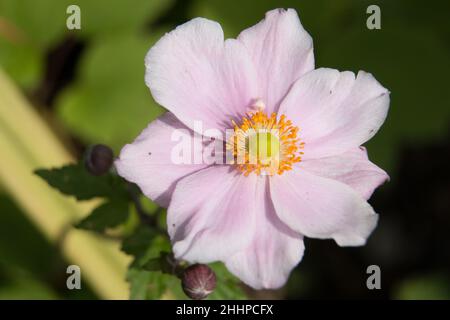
264, 145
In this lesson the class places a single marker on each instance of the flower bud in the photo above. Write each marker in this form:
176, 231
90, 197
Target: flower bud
99, 159
198, 281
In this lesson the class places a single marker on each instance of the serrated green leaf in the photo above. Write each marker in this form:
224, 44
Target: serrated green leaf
148, 285
163, 263
148, 275
145, 244
139, 241
149, 250
228, 286
139, 283
75, 181
153, 264
108, 215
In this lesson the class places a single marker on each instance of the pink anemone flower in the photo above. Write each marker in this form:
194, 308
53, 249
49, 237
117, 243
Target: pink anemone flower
253, 215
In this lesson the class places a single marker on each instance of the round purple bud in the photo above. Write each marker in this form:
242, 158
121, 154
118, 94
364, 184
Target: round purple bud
198, 281
99, 159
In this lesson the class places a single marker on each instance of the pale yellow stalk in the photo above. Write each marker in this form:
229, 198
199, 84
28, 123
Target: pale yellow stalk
26, 143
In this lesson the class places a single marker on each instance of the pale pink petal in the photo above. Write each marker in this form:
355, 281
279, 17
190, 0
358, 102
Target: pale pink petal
322, 208
274, 250
335, 111
148, 160
212, 214
352, 168
197, 76
282, 51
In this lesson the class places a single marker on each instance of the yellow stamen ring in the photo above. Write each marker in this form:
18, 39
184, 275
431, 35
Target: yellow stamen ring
265, 145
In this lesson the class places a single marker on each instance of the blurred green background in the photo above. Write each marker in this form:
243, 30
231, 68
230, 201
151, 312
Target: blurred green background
89, 87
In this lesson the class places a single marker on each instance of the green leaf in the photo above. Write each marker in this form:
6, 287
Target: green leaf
74, 180
108, 215
41, 24
228, 286
148, 274
145, 244
151, 265
139, 284
109, 103
137, 244
163, 263
148, 285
